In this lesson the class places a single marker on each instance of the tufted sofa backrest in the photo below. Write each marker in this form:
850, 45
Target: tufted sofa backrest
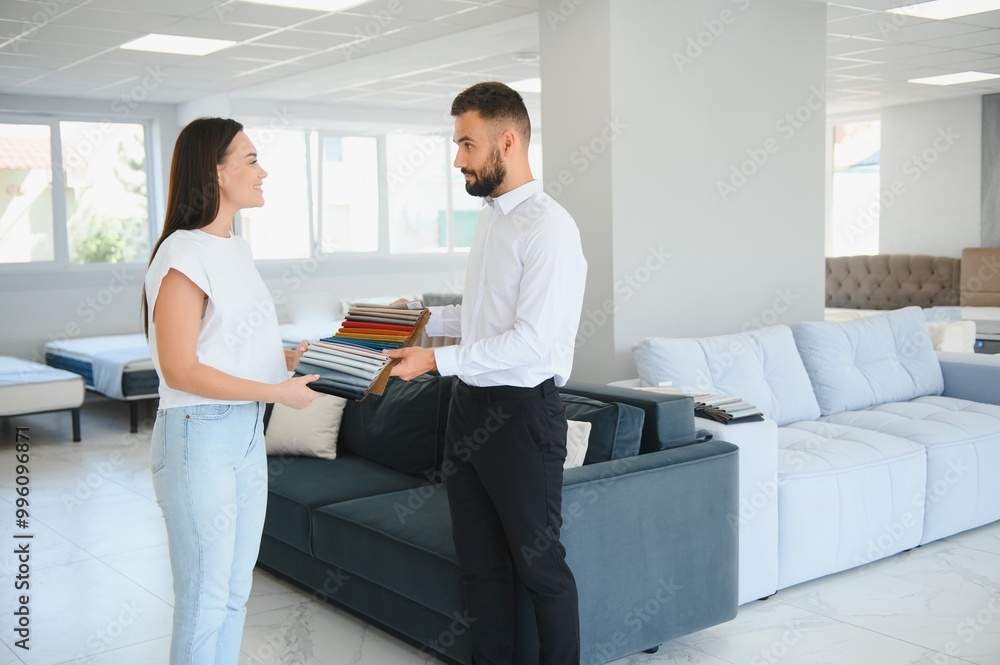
891, 281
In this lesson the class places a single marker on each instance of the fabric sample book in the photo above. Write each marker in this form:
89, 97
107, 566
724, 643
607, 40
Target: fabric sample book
350, 363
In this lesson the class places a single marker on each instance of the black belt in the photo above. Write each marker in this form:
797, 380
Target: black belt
504, 393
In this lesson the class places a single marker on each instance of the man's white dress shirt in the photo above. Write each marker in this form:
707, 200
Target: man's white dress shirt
523, 295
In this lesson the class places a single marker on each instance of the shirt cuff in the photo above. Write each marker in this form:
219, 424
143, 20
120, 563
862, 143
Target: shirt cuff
435, 323
446, 358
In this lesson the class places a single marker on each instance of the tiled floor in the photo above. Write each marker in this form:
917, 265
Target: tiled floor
100, 582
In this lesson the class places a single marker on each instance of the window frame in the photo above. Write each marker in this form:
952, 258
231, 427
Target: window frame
60, 229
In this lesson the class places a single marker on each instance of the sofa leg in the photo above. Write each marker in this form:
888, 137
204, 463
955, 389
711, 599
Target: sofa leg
133, 407
76, 425
653, 650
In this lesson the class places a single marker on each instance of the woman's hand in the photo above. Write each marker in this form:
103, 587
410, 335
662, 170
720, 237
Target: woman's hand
295, 393
292, 356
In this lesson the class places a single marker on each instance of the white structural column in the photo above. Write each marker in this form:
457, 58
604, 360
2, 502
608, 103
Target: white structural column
687, 139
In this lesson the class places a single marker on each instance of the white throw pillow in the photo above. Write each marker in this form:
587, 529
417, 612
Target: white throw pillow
311, 431
577, 440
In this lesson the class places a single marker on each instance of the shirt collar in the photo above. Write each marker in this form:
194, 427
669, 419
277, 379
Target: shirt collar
515, 197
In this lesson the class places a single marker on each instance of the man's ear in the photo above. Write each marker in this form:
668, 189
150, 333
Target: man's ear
508, 142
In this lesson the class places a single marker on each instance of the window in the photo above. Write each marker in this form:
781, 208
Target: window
854, 215
107, 206
349, 203
418, 183
281, 229
93, 208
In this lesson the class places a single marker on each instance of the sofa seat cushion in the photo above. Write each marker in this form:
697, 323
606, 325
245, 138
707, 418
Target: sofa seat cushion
962, 440
401, 541
846, 496
873, 360
761, 366
298, 485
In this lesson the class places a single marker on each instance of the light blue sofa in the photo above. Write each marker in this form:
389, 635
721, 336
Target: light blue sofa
873, 442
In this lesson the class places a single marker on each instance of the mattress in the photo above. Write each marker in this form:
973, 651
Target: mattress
138, 379
29, 387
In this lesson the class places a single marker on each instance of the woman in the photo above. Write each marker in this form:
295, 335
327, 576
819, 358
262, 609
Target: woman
213, 336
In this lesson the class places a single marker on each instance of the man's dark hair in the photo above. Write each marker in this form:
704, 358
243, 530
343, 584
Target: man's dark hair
496, 103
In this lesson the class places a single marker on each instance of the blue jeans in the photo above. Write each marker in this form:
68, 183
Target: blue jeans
210, 477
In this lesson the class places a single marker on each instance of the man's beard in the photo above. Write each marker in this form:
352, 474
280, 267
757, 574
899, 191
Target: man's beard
489, 177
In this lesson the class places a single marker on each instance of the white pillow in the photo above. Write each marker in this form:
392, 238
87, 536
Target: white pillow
577, 440
311, 431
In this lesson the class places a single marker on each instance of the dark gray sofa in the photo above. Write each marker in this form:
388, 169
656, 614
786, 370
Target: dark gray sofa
645, 523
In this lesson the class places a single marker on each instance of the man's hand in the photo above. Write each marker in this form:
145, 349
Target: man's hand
292, 355
416, 360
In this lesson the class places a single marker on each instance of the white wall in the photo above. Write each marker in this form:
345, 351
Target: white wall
743, 251
931, 169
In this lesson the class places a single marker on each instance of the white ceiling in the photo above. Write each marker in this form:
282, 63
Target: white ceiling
414, 54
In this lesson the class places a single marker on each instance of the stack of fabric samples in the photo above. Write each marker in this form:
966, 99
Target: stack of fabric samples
350, 363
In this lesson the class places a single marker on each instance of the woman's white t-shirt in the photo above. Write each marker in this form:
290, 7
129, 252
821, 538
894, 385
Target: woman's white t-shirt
239, 330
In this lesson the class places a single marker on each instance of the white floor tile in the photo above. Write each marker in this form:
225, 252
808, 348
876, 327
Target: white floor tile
148, 567
47, 548
931, 617
774, 631
153, 652
108, 524
84, 608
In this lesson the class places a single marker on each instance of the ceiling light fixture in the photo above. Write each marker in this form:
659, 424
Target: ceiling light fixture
527, 85
526, 58
945, 9
177, 44
954, 79
316, 5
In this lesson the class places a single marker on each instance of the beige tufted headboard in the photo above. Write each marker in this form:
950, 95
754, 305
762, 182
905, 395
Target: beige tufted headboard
980, 277
891, 281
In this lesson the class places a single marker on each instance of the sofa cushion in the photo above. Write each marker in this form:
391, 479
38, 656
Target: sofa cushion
962, 443
873, 360
298, 485
761, 366
401, 541
616, 429
403, 429
846, 496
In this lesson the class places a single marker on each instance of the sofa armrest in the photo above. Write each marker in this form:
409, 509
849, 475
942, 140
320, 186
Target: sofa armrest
649, 541
975, 377
668, 421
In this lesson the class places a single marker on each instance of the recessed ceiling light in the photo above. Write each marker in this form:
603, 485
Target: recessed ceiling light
527, 85
952, 79
177, 44
526, 58
318, 5
945, 9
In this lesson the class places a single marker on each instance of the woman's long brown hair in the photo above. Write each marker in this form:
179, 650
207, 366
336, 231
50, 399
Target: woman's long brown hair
193, 192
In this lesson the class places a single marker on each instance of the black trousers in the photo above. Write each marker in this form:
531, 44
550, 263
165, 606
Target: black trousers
503, 468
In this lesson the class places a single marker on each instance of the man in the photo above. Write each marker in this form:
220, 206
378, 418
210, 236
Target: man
506, 432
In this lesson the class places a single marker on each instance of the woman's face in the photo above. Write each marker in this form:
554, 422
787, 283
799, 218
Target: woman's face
240, 176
